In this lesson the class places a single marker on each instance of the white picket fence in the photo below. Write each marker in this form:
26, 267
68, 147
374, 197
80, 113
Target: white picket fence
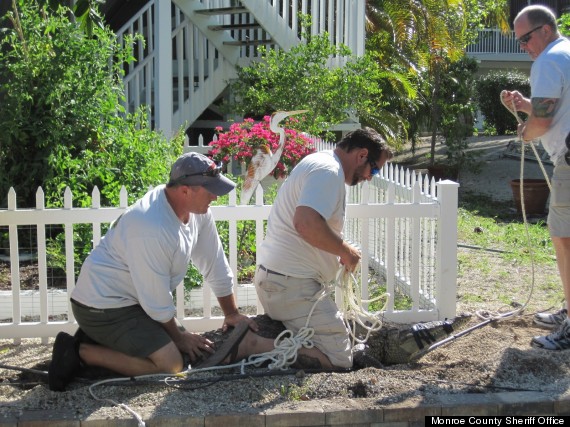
405, 225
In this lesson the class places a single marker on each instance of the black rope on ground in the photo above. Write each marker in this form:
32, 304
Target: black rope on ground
26, 370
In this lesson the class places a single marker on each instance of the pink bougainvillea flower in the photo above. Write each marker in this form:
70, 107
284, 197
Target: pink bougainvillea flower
241, 141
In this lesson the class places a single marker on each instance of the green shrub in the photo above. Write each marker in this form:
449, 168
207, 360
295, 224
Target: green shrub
62, 123
489, 88
564, 24
61, 118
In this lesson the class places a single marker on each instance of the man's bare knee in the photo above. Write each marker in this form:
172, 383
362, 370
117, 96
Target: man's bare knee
168, 359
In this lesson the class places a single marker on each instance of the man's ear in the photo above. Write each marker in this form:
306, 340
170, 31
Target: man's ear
362, 156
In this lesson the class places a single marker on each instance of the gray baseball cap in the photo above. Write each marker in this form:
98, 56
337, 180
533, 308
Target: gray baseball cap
197, 169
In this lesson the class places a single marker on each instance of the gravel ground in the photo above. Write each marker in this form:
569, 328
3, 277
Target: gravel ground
492, 357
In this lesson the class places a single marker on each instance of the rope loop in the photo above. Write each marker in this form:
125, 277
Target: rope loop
286, 349
352, 308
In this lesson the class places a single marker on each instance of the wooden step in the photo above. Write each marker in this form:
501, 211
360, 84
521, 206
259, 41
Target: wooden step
249, 42
251, 26
223, 10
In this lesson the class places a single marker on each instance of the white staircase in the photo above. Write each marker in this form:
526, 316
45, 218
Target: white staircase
192, 48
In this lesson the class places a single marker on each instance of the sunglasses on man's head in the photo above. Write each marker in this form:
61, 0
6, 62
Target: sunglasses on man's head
526, 36
374, 169
212, 172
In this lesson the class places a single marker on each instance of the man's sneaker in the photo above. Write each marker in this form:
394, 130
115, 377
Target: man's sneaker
551, 320
558, 340
65, 361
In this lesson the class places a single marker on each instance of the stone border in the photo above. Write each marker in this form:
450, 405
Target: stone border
353, 412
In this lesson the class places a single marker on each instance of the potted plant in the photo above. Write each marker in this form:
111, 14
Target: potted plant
241, 141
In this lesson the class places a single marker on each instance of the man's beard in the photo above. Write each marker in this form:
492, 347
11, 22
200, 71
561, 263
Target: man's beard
357, 177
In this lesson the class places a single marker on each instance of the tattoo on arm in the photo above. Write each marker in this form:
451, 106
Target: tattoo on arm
544, 107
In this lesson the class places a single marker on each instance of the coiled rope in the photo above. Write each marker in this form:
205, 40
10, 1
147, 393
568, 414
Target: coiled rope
287, 344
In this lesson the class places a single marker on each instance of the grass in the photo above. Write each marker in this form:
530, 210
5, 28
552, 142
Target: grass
501, 268
491, 225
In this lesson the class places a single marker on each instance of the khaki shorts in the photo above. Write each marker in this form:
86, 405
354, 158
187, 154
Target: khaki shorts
559, 209
128, 329
290, 300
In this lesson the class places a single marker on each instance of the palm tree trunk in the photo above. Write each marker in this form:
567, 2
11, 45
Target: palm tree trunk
434, 112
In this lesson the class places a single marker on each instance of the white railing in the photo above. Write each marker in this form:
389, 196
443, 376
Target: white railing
180, 70
493, 41
405, 225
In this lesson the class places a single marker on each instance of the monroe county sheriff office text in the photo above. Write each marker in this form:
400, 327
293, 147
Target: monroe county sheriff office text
498, 421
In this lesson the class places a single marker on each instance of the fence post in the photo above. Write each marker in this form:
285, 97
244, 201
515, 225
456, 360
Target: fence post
14, 264
446, 261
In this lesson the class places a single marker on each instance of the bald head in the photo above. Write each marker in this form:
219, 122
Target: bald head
537, 15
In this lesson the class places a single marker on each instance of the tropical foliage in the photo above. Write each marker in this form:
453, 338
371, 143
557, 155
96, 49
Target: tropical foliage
61, 118
424, 39
301, 79
564, 24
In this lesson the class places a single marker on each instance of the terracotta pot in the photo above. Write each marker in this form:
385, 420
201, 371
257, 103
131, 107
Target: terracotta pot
535, 193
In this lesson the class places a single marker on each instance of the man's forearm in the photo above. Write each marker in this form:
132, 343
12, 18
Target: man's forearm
540, 119
174, 329
535, 127
228, 305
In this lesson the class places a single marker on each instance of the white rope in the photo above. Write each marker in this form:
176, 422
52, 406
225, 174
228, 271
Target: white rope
287, 344
496, 315
352, 306
139, 419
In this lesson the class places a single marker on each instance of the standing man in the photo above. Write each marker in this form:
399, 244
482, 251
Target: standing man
123, 297
548, 112
304, 248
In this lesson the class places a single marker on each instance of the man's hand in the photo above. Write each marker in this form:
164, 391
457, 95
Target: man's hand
517, 100
235, 318
350, 257
194, 345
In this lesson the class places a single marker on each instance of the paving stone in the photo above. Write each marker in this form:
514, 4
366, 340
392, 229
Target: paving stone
468, 404
343, 417
48, 418
562, 406
302, 414
237, 420
173, 421
524, 403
